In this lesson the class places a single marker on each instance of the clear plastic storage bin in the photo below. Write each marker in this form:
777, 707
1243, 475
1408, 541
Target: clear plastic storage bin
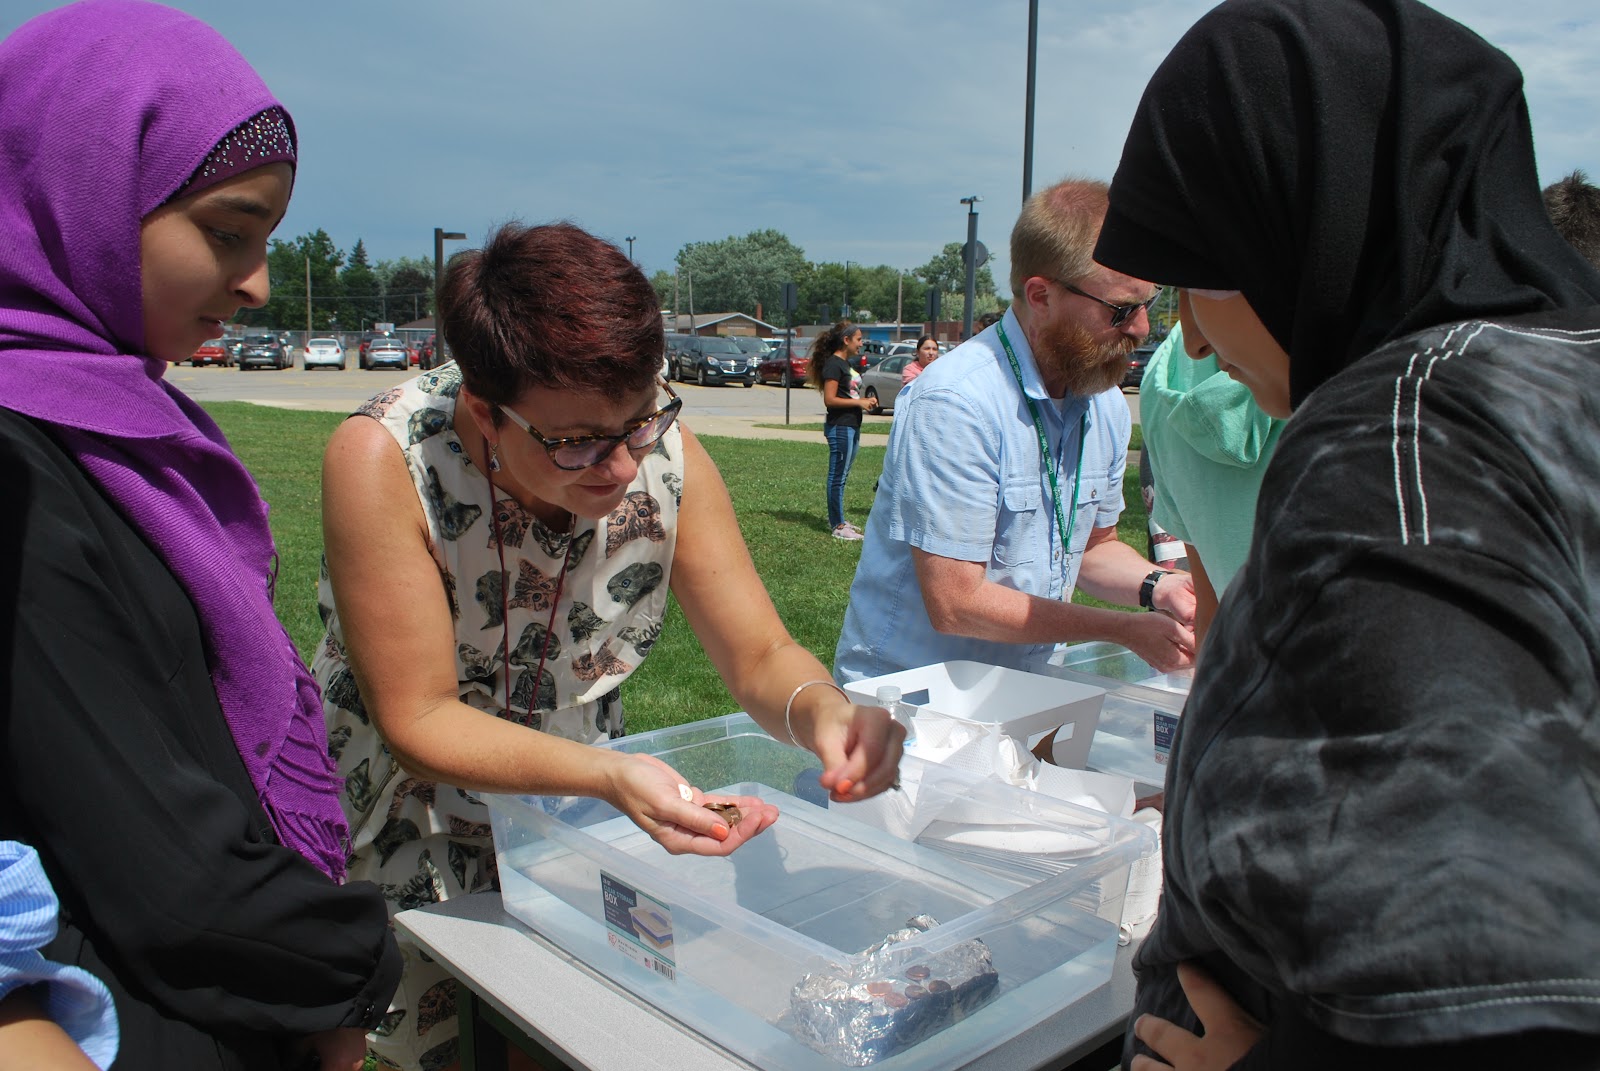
1140, 712
721, 944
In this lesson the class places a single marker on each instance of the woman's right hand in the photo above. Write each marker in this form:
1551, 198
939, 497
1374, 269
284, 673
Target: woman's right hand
646, 790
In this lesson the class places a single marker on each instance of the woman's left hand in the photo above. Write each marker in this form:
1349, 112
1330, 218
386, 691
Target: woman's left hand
860, 749
1230, 1031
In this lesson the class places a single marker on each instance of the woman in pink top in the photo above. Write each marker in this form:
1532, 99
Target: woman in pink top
927, 353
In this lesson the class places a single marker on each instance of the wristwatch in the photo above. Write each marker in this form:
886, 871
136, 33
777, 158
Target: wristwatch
1147, 590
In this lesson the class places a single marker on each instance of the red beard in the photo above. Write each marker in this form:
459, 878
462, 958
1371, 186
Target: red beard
1074, 357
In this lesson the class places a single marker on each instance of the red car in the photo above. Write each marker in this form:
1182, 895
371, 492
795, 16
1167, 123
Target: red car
213, 352
771, 370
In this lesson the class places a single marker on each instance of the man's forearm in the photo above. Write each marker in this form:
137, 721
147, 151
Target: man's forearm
1112, 572
1005, 615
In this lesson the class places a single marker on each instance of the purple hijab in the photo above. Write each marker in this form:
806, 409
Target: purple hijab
110, 105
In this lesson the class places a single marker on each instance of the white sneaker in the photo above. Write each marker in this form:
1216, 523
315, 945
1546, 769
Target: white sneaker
844, 531
854, 529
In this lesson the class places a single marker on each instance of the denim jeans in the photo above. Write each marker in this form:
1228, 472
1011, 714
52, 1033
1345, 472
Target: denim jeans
842, 443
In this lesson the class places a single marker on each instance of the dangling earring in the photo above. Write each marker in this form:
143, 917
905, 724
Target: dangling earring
494, 457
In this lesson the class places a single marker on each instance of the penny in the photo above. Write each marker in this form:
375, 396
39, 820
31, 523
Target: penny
895, 1000
917, 972
915, 992
878, 989
728, 811
938, 985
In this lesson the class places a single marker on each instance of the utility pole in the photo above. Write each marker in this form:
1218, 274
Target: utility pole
690, 281
440, 236
308, 297
899, 304
972, 263
674, 302
1027, 111
630, 241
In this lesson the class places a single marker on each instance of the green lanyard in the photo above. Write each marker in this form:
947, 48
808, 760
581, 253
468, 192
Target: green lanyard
1063, 526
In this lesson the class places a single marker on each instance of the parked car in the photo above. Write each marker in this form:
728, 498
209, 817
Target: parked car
366, 347
388, 353
325, 353
882, 380
264, 351
752, 346
710, 359
1133, 378
213, 352
772, 370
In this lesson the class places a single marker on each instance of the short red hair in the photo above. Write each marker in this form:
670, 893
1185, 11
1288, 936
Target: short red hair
550, 306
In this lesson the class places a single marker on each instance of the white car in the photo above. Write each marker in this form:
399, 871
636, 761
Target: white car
324, 353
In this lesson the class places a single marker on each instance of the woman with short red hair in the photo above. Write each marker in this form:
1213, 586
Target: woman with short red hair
501, 535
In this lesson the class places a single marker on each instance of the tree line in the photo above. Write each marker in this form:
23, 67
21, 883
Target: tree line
736, 274
348, 291
748, 275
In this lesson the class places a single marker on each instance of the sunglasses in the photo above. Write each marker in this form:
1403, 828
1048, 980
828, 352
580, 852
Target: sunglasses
1119, 313
585, 451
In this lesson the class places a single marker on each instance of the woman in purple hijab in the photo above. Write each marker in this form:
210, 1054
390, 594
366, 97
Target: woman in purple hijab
163, 743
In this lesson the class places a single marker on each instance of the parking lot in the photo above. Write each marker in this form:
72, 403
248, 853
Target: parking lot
710, 410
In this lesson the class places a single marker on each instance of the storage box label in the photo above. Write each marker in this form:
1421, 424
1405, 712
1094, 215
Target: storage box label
638, 925
1166, 726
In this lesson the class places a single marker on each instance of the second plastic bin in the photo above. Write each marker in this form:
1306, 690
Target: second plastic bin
1038, 881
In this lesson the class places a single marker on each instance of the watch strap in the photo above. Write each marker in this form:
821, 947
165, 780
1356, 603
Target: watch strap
1147, 590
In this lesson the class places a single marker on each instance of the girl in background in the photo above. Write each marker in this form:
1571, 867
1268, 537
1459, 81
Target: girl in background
927, 353
833, 371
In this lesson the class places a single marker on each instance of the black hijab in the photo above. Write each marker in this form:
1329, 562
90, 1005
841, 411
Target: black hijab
1360, 169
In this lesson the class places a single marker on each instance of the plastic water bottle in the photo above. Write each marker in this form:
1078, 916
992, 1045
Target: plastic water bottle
902, 712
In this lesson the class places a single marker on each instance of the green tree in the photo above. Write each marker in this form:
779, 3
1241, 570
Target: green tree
877, 289
662, 280
287, 263
948, 271
736, 274
362, 302
407, 288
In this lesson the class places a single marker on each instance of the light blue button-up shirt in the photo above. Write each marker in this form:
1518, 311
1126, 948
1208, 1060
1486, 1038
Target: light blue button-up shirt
964, 479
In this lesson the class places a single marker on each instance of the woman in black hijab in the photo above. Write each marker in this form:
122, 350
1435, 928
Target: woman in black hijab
1382, 839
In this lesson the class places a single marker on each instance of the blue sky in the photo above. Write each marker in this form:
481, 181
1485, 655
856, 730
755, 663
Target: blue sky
853, 127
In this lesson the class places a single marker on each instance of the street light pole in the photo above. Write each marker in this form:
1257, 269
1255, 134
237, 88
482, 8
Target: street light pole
1027, 111
630, 241
440, 350
844, 306
972, 263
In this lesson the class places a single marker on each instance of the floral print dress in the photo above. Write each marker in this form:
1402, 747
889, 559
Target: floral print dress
422, 841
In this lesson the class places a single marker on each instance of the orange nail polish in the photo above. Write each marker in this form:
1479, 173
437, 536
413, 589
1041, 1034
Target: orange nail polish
720, 832
844, 787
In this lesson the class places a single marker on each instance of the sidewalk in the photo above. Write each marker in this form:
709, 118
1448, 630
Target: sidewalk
745, 428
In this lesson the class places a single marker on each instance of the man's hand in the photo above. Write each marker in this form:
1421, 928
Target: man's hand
1161, 641
1174, 596
1229, 1031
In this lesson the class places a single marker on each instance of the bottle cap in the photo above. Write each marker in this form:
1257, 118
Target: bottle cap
888, 694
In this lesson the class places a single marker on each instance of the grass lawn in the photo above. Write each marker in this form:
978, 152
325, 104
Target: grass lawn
777, 490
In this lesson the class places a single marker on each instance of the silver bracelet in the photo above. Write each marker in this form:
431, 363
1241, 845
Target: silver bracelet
788, 708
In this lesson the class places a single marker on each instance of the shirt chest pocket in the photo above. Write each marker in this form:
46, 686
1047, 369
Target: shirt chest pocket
1018, 535
1092, 492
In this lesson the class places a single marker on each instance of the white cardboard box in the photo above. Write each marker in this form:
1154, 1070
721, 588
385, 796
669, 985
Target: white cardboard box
1022, 705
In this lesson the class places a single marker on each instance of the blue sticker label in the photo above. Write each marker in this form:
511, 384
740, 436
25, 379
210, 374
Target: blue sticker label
638, 925
1166, 727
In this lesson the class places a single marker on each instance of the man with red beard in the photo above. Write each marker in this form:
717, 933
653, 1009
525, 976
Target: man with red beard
1003, 482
